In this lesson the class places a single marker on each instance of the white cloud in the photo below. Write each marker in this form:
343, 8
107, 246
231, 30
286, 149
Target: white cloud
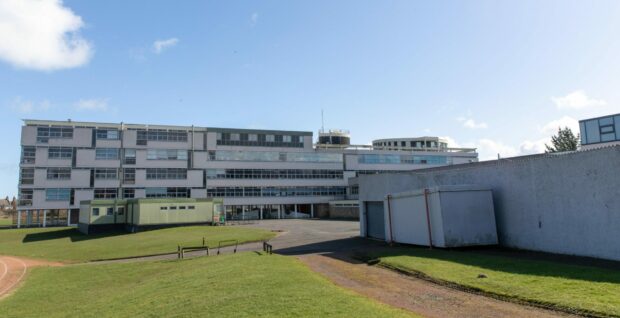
41, 35
577, 100
161, 45
91, 105
254, 19
551, 128
529, 147
488, 149
471, 123
28, 107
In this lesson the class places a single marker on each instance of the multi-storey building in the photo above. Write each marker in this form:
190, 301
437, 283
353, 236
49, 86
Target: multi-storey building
600, 131
259, 173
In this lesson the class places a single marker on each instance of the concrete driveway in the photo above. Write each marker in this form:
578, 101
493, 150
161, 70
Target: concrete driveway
315, 236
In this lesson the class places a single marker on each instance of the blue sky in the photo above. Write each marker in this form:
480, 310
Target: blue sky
496, 75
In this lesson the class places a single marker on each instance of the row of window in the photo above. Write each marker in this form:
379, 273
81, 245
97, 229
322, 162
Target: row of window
179, 207
107, 134
110, 211
411, 144
401, 159
275, 191
166, 173
226, 155
64, 194
44, 134
600, 130
259, 140
160, 135
166, 154
273, 174
129, 155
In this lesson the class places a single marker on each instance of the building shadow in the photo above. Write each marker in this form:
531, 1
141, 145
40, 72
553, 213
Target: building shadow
73, 234
513, 262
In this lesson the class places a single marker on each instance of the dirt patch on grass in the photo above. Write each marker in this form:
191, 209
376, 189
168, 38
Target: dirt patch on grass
418, 296
13, 271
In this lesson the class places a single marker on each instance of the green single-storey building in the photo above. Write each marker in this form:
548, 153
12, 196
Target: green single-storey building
135, 214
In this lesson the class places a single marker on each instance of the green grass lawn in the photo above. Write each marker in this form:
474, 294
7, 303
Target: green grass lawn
69, 245
551, 283
239, 285
5, 221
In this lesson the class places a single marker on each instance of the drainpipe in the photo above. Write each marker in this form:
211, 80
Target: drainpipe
389, 199
428, 219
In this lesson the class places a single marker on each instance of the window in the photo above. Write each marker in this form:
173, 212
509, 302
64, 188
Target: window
106, 173
105, 193
182, 207
120, 210
129, 157
109, 211
24, 197
167, 192
235, 137
95, 211
57, 194
129, 193
59, 153
286, 138
58, 173
252, 137
107, 154
161, 135
163, 208
28, 154
173, 208
44, 134
109, 134
26, 176
129, 175
191, 207
166, 173
165, 154
270, 138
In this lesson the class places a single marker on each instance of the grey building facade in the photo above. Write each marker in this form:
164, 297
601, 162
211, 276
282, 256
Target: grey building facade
259, 173
600, 131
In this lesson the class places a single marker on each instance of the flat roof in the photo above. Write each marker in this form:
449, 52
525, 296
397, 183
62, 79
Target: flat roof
37, 122
618, 114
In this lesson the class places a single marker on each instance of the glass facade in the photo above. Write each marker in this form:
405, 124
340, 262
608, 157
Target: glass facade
273, 174
598, 130
224, 192
58, 194
274, 156
402, 159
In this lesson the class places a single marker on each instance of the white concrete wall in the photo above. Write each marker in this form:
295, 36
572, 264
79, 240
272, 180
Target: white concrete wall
567, 203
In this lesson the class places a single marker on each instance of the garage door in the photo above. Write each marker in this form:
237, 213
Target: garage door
375, 226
